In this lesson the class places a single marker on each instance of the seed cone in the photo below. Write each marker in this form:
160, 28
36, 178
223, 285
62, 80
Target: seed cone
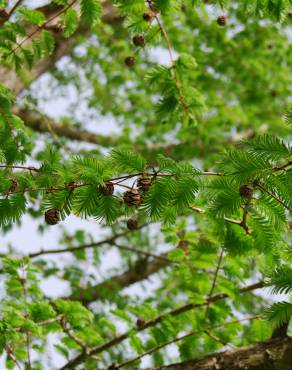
130, 61
138, 40
107, 189
132, 197
144, 184
52, 216
221, 20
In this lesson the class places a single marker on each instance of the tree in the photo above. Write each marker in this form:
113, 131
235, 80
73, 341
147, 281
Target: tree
193, 192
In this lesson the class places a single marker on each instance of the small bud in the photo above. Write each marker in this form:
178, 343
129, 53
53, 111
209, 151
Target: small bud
55, 27
221, 20
130, 61
148, 17
132, 224
13, 186
246, 191
71, 185
140, 323
184, 245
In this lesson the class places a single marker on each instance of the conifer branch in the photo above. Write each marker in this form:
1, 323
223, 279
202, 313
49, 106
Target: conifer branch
273, 196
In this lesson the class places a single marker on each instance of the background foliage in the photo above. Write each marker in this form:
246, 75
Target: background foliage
193, 189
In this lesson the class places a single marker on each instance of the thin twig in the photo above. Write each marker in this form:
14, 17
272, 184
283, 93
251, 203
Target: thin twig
10, 353
71, 335
274, 196
214, 281
81, 247
16, 5
29, 168
219, 340
138, 251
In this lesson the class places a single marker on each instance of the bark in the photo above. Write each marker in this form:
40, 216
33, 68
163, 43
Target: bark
63, 46
141, 271
275, 354
44, 124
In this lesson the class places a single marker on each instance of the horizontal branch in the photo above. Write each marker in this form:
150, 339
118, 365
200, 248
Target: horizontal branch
44, 124
273, 354
142, 269
79, 359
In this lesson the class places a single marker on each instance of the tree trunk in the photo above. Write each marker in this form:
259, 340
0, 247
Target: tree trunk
275, 354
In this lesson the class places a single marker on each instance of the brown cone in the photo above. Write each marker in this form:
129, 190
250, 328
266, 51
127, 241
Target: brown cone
132, 197
221, 20
132, 224
107, 189
138, 40
52, 216
130, 61
144, 184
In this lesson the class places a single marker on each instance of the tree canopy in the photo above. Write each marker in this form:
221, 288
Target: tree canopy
166, 126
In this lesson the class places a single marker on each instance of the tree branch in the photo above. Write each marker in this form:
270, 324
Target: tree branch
139, 272
273, 354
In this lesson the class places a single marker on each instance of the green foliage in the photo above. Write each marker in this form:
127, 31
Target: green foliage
206, 212
90, 10
281, 280
279, 313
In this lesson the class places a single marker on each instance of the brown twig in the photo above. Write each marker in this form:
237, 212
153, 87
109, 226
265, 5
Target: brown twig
28, 168
214, 281
16, 5
110, 241
259, 185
